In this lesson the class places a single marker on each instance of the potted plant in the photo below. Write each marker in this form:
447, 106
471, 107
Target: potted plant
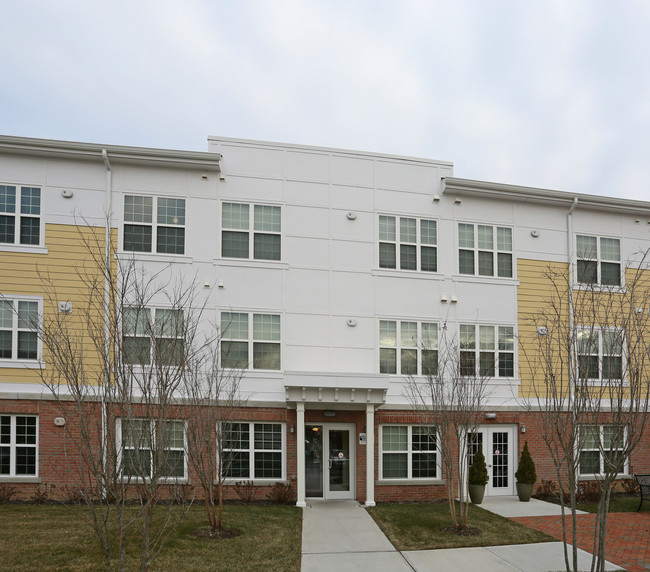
477, 477
525, 475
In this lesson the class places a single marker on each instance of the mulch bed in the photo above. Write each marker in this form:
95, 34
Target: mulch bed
466, 531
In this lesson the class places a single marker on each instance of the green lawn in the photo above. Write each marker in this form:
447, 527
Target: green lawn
54, 537
418, 527
619, 504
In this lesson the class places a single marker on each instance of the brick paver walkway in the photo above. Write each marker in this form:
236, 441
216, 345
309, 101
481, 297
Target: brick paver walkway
628, 536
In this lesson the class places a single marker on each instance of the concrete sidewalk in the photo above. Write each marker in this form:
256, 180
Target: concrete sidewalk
341, 536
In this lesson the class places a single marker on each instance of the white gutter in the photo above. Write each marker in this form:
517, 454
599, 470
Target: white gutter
574, 358
107, 307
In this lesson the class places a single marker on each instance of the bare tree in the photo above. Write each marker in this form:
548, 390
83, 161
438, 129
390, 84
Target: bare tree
213, 399
586, 350
450, 400
116, 359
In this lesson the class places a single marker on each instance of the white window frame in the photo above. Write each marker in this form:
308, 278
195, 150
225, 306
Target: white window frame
251, 230
14, 360
409, 452
400, 239
251, 317
600, 449
477, 250
154, 225
252, 451
18, 215
122, 447
601, 352
13, 445
598, 260
481, 347
147, 328
405, 343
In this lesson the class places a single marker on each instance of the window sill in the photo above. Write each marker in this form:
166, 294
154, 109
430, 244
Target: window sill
599, 288
19, 364
474, 278
23, 249
153, 257
410, 274
384, 482
20, 479
248, 262
256, 482
592, 477
161, 480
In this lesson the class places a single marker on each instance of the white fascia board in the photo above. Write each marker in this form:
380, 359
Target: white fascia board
468, 187
328, 150
196, 160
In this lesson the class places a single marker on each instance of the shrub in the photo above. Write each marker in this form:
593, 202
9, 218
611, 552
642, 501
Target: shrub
246, 491
478, 474
7, 492
43, 495
281, 493
526, 471
546, 490
630, 486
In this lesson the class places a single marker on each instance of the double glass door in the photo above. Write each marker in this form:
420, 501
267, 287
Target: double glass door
329, 461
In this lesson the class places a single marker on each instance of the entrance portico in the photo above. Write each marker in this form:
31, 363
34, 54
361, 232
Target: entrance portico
327, 454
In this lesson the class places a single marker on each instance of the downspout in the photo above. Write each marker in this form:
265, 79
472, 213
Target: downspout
107, 316
574, 359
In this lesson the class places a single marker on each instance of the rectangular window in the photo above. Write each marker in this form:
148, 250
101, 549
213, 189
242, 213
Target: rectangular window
600, 354
19, 321
410, 348
20, 215
408, 243
601, 449
154, 224
250, 341
485, 250
244, 233
18, 445
598, 260
253, 451
153, 336
408, 452
487, 351
153, 448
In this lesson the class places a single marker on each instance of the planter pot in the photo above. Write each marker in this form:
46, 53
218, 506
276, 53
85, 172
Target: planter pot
524, 491
476, 493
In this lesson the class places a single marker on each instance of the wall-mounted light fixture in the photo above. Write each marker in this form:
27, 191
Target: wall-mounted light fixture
351, 215
292, 429
522, 428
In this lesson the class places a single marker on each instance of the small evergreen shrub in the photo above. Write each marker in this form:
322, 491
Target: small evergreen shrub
526, 471
281, 493
478, 474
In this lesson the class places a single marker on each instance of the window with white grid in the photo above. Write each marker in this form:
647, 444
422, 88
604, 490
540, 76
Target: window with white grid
601, 449
153, 336
153, 448
250, 341
487, 350
408, 243
484, 250
408, 452
20, 215
253, 451
18, 445
251, 231
154, 224
19, 319
598, 260
600, 353
410, 348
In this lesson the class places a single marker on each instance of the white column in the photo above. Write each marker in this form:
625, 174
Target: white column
370, 455
300, 451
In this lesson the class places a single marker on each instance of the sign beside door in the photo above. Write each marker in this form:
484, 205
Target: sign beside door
329, 461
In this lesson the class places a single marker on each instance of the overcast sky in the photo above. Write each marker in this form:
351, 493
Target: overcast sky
552, 93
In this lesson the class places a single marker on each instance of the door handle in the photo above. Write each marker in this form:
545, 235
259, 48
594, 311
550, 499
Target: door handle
329, 463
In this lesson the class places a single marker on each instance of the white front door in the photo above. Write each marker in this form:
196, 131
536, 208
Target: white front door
329, 461
499, 449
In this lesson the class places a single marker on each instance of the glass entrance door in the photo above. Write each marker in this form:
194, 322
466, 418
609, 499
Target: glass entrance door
329, 461
498, 444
